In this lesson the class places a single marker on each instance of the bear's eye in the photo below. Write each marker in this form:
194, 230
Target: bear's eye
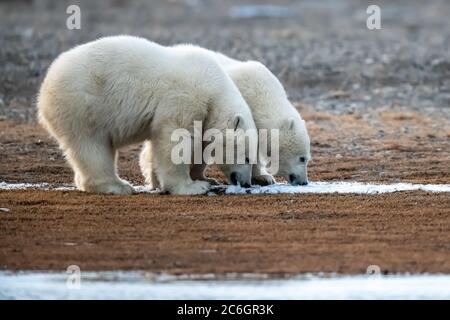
302, 159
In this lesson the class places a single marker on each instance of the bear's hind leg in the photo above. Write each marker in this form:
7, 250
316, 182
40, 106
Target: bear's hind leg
94, 167
146, 163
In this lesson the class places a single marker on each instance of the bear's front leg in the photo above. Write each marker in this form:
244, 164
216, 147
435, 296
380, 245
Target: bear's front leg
174, 178
260, 176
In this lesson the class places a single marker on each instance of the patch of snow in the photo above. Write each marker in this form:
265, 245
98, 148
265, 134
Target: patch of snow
145, 189
38, 186
312, 187
141, 285
65, 187
339, 187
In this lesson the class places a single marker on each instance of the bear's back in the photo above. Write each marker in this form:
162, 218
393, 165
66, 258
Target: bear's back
263, 92
126, 61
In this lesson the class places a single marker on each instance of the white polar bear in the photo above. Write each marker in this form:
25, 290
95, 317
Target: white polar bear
115, 91
271, 109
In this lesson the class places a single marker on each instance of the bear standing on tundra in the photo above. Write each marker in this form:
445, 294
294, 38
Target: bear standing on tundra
109, 93
271, 109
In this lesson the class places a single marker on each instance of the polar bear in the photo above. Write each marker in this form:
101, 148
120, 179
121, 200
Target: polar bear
115, 91
271, 109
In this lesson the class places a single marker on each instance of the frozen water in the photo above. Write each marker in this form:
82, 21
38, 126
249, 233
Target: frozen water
340, 187
39, 186
312, 187
141, 285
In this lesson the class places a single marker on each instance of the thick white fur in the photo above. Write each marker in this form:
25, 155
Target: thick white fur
115, 91
271, 109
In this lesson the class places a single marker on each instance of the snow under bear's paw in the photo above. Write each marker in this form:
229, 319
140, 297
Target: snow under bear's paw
111, 188
193, 188
263, 180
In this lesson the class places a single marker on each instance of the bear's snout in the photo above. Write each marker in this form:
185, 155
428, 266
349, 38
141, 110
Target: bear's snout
297, 180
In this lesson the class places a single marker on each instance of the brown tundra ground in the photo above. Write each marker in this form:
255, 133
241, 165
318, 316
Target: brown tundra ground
377, 110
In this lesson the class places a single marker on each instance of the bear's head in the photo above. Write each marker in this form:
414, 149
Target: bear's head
240, 144
294, 151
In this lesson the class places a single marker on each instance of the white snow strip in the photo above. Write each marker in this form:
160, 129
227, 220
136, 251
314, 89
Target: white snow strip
340, 187
312, 187
63, 187
141, 285
38, 186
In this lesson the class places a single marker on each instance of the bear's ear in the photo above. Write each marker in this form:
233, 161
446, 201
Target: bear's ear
238, 121
289, 124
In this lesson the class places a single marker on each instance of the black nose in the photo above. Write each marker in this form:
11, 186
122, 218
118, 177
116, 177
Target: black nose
234, 177
292, 178
296, 181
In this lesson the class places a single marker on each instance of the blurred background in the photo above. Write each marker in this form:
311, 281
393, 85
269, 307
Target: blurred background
322, 50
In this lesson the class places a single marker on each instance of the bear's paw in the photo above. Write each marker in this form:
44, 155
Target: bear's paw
193, 188
123, 188
263, 180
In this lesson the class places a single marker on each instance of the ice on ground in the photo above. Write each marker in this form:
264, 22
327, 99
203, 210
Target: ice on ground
63, 187
38, 186
141, 285
312, 187
339, 187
